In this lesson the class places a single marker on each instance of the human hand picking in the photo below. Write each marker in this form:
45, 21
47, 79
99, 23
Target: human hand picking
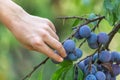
35, 33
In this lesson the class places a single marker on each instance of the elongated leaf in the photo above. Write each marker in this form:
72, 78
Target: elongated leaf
66, 63
60, 73
76, 22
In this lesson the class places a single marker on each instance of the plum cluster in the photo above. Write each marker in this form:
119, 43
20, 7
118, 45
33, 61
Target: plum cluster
94, 67
93, 39
72, 52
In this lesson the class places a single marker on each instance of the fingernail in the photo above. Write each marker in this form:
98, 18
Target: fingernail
60, 59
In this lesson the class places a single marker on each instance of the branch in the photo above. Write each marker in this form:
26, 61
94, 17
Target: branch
35, 68
112, 34
73, 17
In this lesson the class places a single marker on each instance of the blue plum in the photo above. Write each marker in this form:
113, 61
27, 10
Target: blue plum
77, 35
93, 46
85, 31
78, 53
116, 69
103, 38
100, 75
115, 56
81, 65
69, 45
95, 57
87, 69
92, 39
104, 56
90, 77
72, 56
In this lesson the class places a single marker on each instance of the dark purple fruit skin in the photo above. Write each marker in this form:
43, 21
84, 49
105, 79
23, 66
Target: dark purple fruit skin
77, 35
115, 56
85, 31
95, 57
113, 78
93, 69
87, 60
116, 69
72, 56
69, 45
81, 65
108, 75
78, 53
100, 75
93, 46
92, 39
90, 77
104, 56
103, 38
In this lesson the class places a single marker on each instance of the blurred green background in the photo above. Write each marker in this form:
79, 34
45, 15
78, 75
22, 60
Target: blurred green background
16, 61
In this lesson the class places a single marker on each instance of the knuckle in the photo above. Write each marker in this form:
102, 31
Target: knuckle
59, 47
44, 35
36, 43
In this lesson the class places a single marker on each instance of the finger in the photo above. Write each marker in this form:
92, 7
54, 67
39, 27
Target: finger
53, 34
43, 48
51, 25
52, 42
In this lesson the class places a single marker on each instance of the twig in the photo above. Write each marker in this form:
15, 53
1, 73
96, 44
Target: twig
35, 68
112, 34
73, 17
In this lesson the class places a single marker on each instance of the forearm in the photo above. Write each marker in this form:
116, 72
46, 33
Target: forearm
10, 13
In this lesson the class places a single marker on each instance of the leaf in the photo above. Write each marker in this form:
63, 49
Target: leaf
76, 22
80, 74
69, 74
66, 63
108, 5
111, 8
60, 73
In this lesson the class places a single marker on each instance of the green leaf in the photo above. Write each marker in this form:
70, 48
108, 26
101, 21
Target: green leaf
60, 73
69, 74
76, 22
80, 74
111, 8
108, 5
66, 63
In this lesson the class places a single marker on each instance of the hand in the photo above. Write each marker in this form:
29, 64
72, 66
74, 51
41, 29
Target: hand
33, 32
39, 34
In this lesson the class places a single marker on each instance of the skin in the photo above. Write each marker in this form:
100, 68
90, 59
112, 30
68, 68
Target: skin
35, 33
